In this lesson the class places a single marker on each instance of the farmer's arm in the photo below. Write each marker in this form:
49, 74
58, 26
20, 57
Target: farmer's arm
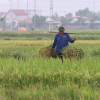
54, 44
70, 39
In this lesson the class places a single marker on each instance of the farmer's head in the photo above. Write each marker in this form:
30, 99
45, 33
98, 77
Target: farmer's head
61, 29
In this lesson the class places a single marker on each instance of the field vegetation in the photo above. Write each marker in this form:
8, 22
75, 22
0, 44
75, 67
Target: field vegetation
24, 75
41, 35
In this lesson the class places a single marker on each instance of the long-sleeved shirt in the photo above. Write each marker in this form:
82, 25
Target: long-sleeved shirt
61, 42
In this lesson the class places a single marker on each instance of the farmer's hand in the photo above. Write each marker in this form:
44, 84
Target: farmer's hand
74, 38
50, 48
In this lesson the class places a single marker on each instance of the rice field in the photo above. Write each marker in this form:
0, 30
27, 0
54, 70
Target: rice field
41, 35
24, 75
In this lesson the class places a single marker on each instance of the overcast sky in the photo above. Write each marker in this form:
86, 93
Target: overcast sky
62, 7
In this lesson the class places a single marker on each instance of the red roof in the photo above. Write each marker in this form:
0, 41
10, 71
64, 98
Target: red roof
76, 16
68, 17
47, 17
67, 25
19, 12
86, 18
25, 20
59, 19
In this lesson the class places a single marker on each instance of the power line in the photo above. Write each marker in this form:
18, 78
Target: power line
72, 1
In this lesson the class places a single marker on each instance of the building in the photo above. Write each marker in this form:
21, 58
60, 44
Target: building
2, 14
49, 19
13, 16
57, 22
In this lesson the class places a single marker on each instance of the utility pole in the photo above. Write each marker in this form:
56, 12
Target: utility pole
18, 15
34, 13
94, 6
52, 14
11, 13
94, 12
27, 14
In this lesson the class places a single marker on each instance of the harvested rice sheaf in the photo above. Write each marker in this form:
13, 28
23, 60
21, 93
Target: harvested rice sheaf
45, 52
72, 52
69, 52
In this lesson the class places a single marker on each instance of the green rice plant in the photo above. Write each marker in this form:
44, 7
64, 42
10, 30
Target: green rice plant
96, 53
18, 55
1, 54
70, 80
37, 78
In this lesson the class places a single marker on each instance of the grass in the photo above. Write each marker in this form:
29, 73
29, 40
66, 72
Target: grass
36, 78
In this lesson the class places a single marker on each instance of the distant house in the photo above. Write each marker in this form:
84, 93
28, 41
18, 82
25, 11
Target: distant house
49, 19
76, 18
59, 19
2, 14
14, 15
56, 22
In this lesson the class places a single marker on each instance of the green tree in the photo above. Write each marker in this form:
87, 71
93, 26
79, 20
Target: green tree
85, 12
80, 21
64, 21
22, 24
79, 13
69, 15
2, 19
55, 16
40, 20
2, 23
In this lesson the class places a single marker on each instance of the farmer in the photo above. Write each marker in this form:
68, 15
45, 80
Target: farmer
61, 41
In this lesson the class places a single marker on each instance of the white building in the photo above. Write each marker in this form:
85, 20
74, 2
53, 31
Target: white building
13, 16
49, 19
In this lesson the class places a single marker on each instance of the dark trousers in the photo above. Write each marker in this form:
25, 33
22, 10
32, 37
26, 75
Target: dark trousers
60, 56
